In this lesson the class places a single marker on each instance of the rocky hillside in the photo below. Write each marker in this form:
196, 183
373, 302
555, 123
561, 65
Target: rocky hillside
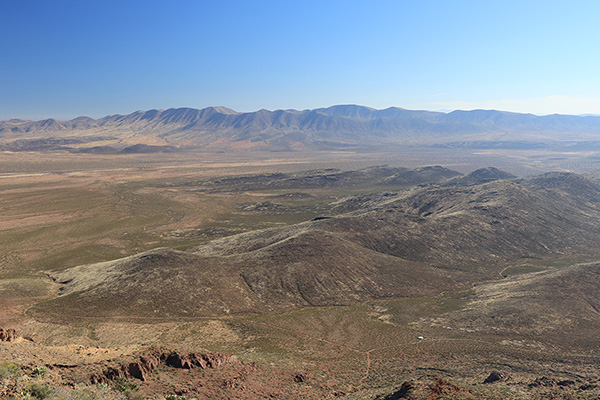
557, 303
414, 243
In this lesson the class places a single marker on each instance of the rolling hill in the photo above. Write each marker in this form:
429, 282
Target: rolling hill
414, 243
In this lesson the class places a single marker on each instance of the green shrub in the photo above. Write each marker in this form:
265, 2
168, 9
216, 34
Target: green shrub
8, 369
124, 385
39, 391
38, 371
128, 388
135, 396
84, 392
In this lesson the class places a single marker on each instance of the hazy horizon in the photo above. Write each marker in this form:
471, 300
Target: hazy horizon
70, 118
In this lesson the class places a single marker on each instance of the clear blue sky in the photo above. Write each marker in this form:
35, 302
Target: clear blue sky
65, 58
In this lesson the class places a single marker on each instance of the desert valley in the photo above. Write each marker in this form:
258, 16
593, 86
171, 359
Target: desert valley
343, 252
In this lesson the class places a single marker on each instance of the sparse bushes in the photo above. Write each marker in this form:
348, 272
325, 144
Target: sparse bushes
175, 397
135, 396
9, 370
102, 386
39, 391
83, 392
128, 388
123, 385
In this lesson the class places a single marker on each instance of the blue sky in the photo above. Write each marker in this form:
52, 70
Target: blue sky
65, 58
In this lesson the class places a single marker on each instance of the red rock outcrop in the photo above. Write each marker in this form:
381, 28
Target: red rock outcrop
144, 363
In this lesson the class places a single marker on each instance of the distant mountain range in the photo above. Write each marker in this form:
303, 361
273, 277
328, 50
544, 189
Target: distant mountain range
341, 125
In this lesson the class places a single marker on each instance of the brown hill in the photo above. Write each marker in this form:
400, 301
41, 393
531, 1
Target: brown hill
565, 185
482, 175
311, 268
434, 174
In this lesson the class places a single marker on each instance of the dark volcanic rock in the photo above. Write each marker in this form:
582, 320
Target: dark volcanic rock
544, 381
177, 360
300, 378
496, 376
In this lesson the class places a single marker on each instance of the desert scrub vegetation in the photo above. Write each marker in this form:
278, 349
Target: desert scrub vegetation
98, 392
38, 391
175, 397
9, 370
38, 372
128, 388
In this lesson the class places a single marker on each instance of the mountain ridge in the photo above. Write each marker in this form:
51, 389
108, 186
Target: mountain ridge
221, 127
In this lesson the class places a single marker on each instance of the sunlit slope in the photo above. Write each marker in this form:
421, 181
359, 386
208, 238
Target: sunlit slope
309, 269
558, 306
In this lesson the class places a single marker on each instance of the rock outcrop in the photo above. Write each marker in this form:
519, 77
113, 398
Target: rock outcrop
191, 360
429, 387
496, 376
140, 365
7, 335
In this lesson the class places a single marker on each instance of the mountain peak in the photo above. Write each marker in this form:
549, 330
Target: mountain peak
348, 110
224, 110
